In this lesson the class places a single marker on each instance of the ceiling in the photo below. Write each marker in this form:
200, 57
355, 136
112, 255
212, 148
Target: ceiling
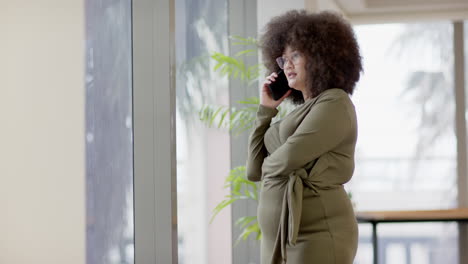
386, 11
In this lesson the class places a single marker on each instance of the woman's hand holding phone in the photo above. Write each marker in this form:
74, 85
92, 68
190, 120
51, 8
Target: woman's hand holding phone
266, 98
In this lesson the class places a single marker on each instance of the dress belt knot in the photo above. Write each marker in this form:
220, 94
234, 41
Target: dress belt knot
291, 209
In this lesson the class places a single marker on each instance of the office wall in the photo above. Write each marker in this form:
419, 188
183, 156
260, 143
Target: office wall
42, 132
266, 9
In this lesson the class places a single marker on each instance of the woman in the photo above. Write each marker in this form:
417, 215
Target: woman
304, 159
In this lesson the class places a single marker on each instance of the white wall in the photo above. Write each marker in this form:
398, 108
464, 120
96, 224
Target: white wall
266, 9
42, 132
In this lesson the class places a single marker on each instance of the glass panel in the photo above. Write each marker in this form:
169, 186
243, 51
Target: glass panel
109, 151
406, 151
203, 159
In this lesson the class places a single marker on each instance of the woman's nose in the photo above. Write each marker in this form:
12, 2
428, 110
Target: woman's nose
287, 64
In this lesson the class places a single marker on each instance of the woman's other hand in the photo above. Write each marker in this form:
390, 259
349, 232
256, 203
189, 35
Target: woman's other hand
265, 98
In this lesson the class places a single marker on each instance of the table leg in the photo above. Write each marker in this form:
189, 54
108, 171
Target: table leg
375, 243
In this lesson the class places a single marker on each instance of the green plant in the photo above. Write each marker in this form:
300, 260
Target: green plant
240, 189
235, 67
238, 120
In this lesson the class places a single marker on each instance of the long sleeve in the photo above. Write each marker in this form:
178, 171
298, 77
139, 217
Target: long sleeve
256, 147
323, 128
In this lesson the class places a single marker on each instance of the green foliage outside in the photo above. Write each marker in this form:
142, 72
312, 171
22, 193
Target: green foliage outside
237, 120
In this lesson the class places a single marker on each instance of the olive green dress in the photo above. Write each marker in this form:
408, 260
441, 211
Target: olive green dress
303, 161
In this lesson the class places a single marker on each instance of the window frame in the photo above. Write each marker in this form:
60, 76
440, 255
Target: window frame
460, 125
155, 190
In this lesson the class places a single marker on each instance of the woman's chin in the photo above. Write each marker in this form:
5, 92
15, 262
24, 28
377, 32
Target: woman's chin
292, 84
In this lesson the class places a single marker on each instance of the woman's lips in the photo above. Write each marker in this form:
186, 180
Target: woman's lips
291, 75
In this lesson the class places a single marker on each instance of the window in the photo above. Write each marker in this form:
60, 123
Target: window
109, 148
406, 151
203, 155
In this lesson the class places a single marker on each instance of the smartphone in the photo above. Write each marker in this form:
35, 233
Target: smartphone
280, 86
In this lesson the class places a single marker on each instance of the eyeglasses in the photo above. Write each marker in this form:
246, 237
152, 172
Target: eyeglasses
294, 59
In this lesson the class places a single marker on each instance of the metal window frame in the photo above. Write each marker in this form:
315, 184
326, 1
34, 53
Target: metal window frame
155, 193
460, 125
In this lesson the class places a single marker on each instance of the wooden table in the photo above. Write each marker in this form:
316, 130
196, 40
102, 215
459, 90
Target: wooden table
376, 217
